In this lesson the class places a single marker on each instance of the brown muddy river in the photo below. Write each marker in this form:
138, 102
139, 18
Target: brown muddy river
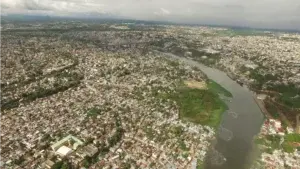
239, 124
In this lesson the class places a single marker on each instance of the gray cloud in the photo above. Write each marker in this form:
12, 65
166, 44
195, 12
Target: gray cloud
4, 6
258, 13
35, 5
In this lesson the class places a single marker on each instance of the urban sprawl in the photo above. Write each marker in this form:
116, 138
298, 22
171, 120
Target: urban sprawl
89, 95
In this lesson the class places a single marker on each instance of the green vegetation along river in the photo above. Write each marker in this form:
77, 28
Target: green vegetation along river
200, 105
235, 134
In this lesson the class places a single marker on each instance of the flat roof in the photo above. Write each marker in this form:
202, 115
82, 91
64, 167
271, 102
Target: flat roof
62, 141
64, 151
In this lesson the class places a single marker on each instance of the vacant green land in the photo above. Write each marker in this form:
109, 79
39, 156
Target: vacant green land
292, 137
289, 139
216, 88
201, 106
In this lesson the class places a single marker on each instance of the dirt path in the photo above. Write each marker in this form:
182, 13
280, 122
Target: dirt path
262, 107
196, 84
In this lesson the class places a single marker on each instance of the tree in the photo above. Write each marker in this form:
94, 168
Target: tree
57, 165
65, 166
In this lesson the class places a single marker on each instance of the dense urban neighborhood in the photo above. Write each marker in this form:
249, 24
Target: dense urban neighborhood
78, 94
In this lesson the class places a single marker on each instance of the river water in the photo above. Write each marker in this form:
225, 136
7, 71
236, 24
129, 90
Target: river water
239, 124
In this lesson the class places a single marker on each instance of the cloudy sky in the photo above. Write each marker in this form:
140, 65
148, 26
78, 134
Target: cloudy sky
255, 13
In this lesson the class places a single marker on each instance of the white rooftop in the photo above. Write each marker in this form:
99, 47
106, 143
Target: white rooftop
64, 151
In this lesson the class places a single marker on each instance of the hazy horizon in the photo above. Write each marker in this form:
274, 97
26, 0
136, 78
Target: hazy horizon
274, 14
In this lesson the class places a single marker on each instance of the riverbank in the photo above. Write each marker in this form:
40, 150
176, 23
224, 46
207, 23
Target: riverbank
260, 104
236, 132
198, 105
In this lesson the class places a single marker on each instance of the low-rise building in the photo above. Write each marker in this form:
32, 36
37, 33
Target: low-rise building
64, 151
70, 140
88, 150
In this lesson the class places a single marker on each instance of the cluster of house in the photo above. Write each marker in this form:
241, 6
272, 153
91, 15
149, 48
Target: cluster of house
272, 127
278, 158
70, 148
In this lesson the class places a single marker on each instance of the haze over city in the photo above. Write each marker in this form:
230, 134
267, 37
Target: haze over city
277, 14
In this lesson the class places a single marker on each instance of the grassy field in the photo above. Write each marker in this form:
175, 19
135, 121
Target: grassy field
216, 88
201, 106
